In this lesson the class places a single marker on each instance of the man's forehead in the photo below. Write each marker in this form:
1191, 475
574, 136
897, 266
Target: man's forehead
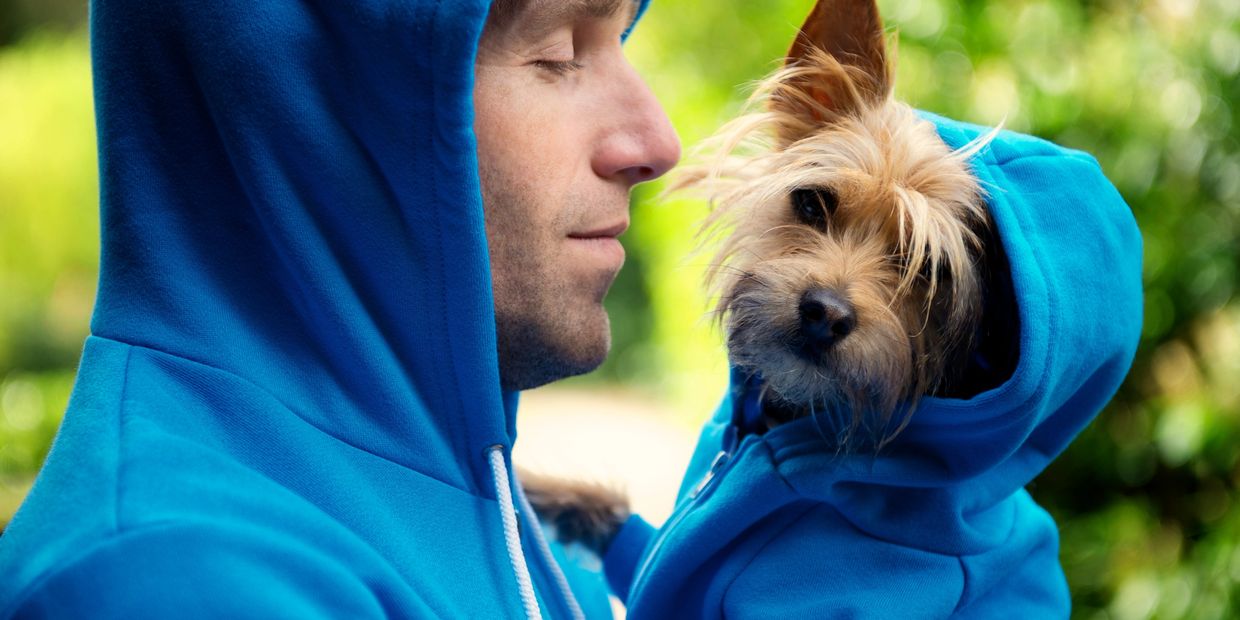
538, 17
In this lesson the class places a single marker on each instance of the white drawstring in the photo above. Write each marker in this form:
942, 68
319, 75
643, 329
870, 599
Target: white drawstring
541, 542
512, 536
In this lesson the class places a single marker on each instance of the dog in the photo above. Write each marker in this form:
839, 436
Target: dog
915, 331
856, 255
857, 269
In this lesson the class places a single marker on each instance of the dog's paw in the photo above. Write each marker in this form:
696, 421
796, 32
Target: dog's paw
589, 513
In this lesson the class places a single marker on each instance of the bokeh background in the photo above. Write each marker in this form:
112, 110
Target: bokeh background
1146, 496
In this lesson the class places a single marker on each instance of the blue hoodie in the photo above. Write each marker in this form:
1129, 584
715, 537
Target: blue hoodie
938, 524
290, 403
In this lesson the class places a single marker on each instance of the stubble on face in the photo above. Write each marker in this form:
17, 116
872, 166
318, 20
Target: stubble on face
564, 128
550, 324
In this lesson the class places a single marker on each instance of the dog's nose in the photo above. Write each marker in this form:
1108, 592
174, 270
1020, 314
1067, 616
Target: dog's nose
826, 318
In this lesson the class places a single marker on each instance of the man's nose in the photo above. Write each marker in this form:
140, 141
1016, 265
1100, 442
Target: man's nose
642, 144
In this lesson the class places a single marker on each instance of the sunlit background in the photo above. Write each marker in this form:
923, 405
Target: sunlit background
1145, 496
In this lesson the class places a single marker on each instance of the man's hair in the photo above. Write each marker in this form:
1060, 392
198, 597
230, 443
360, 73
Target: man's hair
502, 11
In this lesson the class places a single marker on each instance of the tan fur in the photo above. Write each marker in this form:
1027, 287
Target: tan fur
908, 209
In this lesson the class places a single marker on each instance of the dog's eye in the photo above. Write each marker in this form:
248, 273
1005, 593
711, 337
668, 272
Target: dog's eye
812, 206
943, 273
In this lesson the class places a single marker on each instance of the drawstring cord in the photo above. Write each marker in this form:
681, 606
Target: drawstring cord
540, 541
512, 537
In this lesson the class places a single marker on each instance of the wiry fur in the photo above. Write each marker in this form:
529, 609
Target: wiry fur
902, 247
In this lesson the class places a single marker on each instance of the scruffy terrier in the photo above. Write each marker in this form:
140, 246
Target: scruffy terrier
856, 248
857, 269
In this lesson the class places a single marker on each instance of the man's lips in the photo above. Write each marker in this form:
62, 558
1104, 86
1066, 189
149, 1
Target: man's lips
603, 232
602, 244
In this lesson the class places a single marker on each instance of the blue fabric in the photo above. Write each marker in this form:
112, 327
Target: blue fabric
292, 380
625, 552
938, 524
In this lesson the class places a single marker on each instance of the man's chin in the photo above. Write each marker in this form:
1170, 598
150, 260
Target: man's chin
540, 374
561, 352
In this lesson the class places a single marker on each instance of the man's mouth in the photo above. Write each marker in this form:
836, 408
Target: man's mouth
609, 231
602, 242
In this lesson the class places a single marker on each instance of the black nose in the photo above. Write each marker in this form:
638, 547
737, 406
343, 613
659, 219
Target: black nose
826, 318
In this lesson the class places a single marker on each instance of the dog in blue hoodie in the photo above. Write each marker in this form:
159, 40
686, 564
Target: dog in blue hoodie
920, 315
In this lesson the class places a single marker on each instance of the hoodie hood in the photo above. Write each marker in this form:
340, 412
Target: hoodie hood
283, 201
290, 195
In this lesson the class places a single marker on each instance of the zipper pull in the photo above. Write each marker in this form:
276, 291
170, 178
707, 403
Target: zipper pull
730, 447
720, 460
731, 438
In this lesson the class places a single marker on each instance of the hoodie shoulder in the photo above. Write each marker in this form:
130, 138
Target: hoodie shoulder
205, 570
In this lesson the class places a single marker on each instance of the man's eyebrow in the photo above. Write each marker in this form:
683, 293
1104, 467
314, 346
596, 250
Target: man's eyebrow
543, 16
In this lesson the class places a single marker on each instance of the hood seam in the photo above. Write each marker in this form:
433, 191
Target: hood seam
453, 421
120, 448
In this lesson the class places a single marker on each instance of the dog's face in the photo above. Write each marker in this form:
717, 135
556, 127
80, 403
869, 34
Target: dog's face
850, 277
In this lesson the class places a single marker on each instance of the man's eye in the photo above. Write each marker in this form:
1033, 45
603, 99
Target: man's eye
558, 67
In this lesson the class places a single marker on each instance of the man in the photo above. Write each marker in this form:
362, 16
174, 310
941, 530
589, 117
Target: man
565, 128
295, 401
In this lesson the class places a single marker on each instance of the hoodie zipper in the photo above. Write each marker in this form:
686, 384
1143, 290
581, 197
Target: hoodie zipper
718, 467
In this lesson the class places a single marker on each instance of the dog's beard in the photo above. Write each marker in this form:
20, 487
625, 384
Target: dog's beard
899, 351
902, 251
868, 370
838, 195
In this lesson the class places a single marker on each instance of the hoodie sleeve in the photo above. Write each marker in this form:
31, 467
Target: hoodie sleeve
201, 572
626, 551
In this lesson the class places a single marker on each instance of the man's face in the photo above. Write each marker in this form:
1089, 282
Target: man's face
565, 129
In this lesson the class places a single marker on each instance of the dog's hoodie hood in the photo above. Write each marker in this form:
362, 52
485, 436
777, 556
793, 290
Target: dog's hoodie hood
289, 405
939, 522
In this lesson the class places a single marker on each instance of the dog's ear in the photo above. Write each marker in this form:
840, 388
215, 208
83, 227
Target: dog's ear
849, 30
851, 33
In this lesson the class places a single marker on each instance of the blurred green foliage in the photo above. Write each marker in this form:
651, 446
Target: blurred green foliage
48, 243
19, 17
1145, 497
